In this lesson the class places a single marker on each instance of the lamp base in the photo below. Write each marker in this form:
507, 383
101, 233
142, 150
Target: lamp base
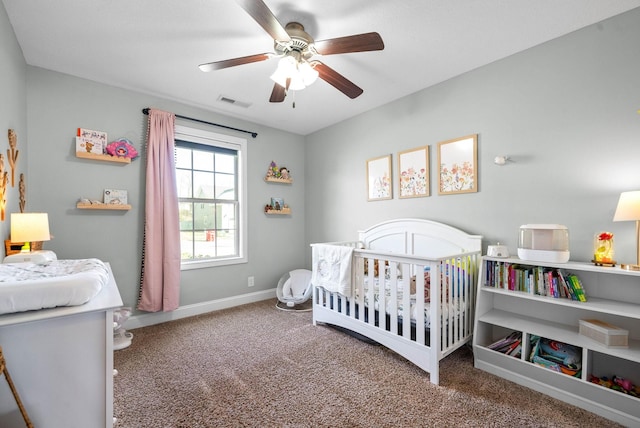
630, 267
41, 256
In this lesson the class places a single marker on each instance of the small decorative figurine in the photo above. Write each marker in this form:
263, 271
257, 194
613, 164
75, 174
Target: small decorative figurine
284, 173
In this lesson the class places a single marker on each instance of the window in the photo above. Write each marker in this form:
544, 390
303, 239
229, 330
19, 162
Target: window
210, 175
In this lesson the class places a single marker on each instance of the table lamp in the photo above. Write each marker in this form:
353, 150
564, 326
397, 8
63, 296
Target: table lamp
28, 228
629, 210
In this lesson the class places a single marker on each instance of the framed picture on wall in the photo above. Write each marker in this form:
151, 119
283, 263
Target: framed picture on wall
413, 172
458, 165
379, 178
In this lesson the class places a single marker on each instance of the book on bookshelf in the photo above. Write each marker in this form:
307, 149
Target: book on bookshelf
577, 287
536, 280
509, 345
90, 141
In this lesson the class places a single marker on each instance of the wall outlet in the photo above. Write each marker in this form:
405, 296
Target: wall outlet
251, 281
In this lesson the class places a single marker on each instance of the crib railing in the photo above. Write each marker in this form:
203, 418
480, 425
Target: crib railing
391, 292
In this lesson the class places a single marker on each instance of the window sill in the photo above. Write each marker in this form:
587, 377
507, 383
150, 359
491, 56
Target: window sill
209, 263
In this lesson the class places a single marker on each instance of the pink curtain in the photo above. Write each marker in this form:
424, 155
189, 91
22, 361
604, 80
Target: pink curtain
160, 276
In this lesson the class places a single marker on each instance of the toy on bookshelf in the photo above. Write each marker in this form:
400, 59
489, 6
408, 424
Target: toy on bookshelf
122, 148
557, 356
616, 383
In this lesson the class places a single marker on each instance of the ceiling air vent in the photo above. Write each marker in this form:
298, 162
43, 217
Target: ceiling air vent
228, 100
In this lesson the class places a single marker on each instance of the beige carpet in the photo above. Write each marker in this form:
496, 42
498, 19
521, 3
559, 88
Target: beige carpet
256, 366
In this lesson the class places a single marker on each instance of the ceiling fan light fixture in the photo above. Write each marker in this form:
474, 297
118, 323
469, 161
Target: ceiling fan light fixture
300, 73
308, 73
286, 68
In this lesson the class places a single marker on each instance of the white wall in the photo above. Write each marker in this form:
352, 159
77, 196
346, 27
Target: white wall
564, 111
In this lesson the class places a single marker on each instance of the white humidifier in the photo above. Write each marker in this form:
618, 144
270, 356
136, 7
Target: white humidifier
544, 243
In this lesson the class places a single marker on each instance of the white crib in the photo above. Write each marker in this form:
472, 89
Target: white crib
401, 270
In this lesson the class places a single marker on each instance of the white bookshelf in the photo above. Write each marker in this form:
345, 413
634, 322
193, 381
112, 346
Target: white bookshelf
613, 296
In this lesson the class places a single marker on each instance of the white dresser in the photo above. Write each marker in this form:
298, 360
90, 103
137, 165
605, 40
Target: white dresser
61, 362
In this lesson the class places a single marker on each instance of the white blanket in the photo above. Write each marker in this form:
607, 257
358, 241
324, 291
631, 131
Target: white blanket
332, 268
32, 286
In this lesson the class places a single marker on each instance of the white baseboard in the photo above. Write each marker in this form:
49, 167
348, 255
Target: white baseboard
145, 320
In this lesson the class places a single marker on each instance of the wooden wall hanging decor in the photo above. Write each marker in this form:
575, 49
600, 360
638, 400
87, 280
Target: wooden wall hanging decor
23, 197
4, 178
12, 154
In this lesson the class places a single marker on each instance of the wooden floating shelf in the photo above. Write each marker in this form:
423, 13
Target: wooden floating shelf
283, 211
120, 207
102, 157
278, 180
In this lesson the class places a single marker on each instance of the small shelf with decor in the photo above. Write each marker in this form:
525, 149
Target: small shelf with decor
103, 157
91, 144
277, 207
278, 174
283, 211
278, 180
101, 206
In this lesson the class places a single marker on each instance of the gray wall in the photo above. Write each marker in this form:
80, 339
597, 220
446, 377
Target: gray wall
13, 112
564, 111
58, 104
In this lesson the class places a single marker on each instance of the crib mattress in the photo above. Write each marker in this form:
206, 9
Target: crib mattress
33, 286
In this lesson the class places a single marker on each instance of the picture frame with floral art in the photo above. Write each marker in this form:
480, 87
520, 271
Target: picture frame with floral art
458, 165
413, 173
379, 178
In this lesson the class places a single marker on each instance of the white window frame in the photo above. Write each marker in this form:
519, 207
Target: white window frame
240, 145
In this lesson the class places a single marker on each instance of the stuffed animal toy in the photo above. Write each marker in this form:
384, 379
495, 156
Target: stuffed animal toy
563, 353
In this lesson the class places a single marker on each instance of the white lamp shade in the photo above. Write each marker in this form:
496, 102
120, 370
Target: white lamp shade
30, 227
308, 73
286, 69
301, 74
628, 207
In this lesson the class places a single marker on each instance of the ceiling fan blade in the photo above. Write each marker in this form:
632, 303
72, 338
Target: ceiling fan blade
267, 20
218, 65
357, 43
277, 94
337, 80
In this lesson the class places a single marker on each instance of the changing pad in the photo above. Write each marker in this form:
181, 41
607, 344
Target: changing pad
32, 286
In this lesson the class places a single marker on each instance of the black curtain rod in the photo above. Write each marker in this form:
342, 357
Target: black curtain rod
253, 134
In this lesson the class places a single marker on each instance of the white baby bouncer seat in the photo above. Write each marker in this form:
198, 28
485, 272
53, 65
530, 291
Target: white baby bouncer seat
294, 287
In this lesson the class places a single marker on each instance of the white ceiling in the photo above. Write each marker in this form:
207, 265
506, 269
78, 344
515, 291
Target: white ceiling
155, 46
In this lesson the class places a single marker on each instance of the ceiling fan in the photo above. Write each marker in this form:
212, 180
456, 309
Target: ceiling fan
296, 48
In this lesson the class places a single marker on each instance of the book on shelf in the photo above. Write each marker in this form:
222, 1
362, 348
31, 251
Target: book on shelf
577, 287
509, 345
536, 280
90, 141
